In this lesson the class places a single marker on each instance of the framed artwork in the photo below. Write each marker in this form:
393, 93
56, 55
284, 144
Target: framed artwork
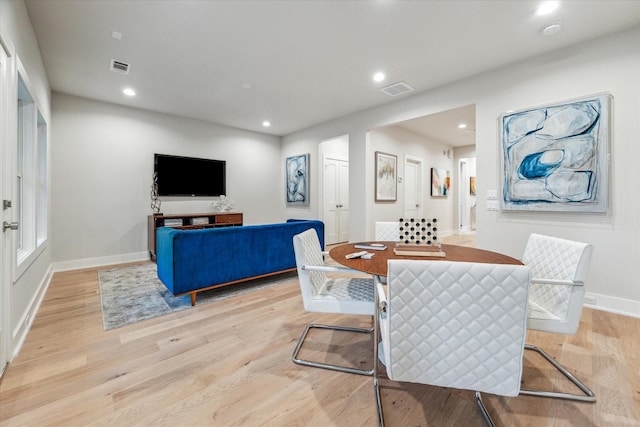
554, 158
472, 185
297, 180
386, 180
440, 182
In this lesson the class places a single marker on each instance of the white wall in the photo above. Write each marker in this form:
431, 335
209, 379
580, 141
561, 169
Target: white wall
609, 64
102, 165
17, 34
402, 142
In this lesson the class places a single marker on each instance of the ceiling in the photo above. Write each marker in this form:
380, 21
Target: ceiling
294, 63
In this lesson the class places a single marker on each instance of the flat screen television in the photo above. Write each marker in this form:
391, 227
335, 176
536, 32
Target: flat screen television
189, 176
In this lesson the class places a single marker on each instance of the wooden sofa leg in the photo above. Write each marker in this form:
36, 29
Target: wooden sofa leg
193, 299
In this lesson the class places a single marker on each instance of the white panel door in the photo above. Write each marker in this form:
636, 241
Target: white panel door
336, 201
413, 188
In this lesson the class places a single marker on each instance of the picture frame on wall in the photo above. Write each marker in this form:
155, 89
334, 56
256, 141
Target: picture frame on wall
472, 185
555, 156
297, 180
386, 167
440, 182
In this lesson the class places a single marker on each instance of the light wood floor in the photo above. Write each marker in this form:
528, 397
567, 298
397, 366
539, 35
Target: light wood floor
228, 364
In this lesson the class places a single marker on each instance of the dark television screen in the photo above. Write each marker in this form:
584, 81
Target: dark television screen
189, 176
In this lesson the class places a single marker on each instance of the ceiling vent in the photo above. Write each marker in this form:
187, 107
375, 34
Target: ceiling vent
397, 89
120, 67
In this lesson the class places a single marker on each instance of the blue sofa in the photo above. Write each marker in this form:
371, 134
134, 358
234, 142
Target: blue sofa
192, 261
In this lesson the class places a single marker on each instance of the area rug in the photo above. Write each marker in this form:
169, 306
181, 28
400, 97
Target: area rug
132, 294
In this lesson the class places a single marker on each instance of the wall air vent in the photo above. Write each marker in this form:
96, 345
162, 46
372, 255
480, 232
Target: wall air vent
397, 89
120, 67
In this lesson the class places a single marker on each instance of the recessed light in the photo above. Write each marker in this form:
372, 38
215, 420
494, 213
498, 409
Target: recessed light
462, 126
129, 92
546, 8
552, 29
378, 77
266, 123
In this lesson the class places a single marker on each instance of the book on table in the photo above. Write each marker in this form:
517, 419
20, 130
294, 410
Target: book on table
372, 246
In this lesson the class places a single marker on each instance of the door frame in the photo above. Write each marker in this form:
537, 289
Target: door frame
8, 129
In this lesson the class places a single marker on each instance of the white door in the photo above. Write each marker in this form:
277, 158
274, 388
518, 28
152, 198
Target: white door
413, 188
336, 201
6, 237
463, 190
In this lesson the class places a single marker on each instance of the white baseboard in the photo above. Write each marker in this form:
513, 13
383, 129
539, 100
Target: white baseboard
98, 262
24, 325
612, 304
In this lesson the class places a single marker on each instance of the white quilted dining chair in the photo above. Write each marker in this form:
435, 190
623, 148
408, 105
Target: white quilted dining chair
558, 272
324, 294
453, 324
387, 231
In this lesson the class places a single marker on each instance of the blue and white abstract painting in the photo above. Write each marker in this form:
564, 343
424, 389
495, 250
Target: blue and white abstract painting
555, 157
297, 180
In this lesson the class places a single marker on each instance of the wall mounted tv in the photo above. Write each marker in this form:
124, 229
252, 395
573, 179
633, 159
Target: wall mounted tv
189, 176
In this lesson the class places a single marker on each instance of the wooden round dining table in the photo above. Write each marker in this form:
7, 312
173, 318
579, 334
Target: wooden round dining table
378, 264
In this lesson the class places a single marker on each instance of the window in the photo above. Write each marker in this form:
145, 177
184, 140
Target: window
41, 211
31, 176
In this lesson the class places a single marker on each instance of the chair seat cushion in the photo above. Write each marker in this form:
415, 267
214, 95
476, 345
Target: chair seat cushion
345, 295
537, 311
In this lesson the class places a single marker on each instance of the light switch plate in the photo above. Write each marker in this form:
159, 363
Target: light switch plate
493, 205
492, 194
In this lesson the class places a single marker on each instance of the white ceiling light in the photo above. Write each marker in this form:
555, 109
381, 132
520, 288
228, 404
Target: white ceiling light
266, 123
378, 77
546, 8
462, 126
129, 92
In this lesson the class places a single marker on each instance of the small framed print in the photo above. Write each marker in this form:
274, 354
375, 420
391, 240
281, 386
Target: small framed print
297, 180
440, 182
386, 177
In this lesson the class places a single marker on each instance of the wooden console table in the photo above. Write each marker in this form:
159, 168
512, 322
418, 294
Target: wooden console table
189, 222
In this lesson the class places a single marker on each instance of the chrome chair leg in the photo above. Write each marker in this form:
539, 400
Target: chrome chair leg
588, 396
484, 411
296, 360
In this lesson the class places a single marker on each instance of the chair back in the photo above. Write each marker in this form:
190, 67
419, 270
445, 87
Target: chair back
556, 259
456, 324
306, 247
387, 231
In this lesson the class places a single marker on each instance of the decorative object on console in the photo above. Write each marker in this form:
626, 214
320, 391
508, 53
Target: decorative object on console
440, 182
223, 204
155, 198
386, 177
554, 158
297, 180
